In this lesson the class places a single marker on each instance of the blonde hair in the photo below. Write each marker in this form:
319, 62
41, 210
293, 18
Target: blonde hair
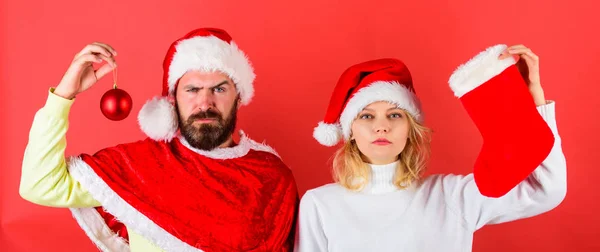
350, 171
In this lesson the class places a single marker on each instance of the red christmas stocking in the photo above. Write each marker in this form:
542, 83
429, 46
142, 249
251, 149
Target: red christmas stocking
516, 139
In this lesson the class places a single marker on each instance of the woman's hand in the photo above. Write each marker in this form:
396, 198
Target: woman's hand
529, 65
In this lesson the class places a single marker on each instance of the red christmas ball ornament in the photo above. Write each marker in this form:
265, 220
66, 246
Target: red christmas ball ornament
116, 104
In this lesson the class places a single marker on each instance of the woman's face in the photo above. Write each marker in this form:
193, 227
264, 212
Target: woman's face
380, 131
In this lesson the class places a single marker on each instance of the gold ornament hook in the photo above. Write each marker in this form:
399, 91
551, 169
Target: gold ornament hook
115, 78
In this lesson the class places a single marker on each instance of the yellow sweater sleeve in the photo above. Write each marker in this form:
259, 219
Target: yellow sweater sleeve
45, 179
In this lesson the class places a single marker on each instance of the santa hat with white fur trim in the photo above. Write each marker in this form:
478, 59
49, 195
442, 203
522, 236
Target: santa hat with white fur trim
360, 85
204, 49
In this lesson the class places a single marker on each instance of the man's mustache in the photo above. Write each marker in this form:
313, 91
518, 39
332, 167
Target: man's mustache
209, 114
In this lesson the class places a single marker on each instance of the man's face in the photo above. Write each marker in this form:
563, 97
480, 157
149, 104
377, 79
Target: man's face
207, 104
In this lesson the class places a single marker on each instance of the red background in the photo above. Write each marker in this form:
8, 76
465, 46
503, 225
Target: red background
299, 49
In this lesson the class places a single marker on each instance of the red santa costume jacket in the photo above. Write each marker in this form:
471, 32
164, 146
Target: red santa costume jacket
180, 198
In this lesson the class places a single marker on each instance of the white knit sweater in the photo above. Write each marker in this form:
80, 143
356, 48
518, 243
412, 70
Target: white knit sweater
439, 214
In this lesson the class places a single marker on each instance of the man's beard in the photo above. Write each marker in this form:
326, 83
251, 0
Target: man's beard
208, 136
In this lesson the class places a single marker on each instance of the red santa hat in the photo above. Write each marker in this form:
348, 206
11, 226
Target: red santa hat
204, 49
516, 139
360, 85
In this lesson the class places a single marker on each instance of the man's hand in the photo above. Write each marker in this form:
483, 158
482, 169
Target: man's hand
81, 74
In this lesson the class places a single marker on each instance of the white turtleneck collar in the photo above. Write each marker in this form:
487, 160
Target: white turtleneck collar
382, 178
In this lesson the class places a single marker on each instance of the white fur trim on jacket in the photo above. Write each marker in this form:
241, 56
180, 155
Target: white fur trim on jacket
240, 150
392, 92
213, 54
158, 119
96, 229
479, 70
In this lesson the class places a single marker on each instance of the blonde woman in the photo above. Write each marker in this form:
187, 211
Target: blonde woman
380, 202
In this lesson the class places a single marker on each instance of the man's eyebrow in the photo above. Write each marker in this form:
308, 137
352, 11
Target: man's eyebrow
192, 85
220, 84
